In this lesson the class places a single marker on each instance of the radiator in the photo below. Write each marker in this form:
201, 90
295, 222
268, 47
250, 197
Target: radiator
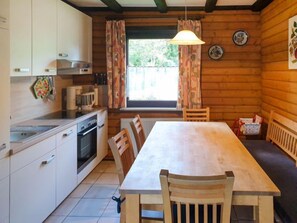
148, 124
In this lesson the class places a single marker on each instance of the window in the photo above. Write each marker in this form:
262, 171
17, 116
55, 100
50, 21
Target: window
152, 68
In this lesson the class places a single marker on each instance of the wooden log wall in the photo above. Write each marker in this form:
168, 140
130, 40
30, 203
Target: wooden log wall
231, 87
279, 84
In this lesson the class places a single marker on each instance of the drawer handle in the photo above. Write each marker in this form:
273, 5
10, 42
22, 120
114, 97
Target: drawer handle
50, 70
68, 133
3, 20
101, 126
3, 146
48, 160
22, 70
63, 54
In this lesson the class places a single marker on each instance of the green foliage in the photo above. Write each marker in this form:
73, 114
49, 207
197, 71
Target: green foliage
152, 52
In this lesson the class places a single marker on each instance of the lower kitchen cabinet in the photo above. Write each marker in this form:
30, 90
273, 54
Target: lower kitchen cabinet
102, 136
33, 183
66, 162
4, 190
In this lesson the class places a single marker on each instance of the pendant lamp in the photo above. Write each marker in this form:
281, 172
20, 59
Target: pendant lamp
186, 37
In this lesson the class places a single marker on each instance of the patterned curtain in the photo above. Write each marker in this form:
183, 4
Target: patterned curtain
116, 63
189, 90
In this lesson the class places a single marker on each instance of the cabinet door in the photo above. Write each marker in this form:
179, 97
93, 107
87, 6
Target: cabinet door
4, 92
86, 38
68, 32
66, 163
4, 14
32, 191
4, 190
20, 38
44, 39
102, 136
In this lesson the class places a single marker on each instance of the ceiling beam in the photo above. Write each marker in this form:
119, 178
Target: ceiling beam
260, 4
161, 5
210, 5
113, 5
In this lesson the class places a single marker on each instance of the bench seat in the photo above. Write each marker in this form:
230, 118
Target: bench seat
282, 171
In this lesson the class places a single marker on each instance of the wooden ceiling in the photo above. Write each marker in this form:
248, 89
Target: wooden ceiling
164, 6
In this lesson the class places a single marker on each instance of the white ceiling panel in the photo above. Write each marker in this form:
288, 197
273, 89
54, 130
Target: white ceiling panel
235, 2
88, 3
190, 3
137, 3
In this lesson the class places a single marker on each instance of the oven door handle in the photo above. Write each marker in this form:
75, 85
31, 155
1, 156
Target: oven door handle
86, 132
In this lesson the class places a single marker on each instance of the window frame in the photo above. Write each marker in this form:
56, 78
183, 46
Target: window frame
162, 32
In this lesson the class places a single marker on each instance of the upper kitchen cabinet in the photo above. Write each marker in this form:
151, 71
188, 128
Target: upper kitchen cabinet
44, 37
4, 12
33, 37
20, 38
74, 34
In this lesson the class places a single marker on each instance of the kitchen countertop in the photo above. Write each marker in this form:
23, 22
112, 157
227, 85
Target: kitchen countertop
61, 124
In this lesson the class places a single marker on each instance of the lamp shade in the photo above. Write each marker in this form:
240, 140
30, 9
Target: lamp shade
186, 37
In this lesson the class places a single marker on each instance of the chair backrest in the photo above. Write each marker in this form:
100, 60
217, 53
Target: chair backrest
193, 194
138, 132
122, 151
196, 115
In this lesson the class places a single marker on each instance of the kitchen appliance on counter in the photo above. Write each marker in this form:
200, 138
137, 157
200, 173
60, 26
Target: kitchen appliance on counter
86, 142
71, 97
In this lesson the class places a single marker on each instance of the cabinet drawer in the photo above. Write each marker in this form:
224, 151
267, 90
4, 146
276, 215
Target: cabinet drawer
66, 135
32, 153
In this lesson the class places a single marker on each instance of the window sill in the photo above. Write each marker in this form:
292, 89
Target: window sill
144, 110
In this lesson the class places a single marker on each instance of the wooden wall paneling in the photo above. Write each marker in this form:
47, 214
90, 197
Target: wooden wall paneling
279, 84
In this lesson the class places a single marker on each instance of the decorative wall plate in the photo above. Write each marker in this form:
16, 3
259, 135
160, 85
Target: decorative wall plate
215, 52
240, 37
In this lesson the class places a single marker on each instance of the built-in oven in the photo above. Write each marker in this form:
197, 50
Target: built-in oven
86, 142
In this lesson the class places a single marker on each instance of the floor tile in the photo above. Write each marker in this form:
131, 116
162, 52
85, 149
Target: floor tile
109, 220
81, 220
80, 191
101, 167
91, 178
111, 168
101, 191
108, 178
90, 207
54, 219
111, 210
66, 207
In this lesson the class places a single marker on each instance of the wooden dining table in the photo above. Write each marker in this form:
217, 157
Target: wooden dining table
197, 149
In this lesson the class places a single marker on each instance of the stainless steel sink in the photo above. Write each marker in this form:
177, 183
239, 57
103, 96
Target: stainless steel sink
25, 132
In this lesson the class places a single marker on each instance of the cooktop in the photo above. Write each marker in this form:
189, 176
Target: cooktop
68, 114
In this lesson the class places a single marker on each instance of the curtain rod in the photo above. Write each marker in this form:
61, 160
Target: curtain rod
198, 17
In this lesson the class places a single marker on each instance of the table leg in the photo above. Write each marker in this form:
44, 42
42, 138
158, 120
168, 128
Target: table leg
132, 208
265, 212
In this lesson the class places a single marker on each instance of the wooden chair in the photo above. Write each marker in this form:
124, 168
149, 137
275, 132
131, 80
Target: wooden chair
196, 115
193, 194
138, 132
122, 151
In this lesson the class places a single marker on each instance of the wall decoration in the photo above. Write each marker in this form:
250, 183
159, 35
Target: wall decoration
215, 52
240, 37
292, 42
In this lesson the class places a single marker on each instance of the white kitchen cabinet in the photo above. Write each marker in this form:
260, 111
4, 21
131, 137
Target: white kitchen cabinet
102, 136
74, 34
33, 41
44, 37
33, 182
66, 162
4, 190
4, 14
20, 38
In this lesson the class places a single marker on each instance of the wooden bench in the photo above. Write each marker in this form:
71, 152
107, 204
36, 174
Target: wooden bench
277, 156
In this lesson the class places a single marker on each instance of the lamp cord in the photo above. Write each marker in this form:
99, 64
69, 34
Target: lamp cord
186, 10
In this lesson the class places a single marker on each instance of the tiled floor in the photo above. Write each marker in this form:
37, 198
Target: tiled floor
91, 201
